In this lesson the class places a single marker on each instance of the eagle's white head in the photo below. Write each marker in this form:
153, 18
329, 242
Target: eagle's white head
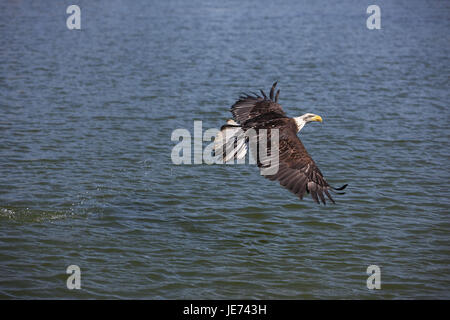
304, 119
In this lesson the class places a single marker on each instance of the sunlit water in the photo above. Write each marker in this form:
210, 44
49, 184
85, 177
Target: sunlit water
86, 176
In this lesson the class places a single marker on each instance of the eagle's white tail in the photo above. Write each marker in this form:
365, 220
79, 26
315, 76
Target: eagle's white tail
230, 142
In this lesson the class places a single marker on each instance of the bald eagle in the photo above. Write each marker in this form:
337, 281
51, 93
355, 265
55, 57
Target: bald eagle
297, 171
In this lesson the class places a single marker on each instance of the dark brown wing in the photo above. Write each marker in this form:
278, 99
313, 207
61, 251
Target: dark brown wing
297, 170
249, 107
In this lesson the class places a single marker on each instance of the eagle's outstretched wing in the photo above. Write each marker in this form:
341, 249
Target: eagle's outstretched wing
249, 107
297, 171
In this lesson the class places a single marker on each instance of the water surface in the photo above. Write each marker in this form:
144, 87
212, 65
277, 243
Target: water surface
86, 176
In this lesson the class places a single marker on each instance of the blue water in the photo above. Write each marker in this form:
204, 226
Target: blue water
86, 176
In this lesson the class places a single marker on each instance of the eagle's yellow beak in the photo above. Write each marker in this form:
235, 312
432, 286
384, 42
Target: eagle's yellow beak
316, 118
